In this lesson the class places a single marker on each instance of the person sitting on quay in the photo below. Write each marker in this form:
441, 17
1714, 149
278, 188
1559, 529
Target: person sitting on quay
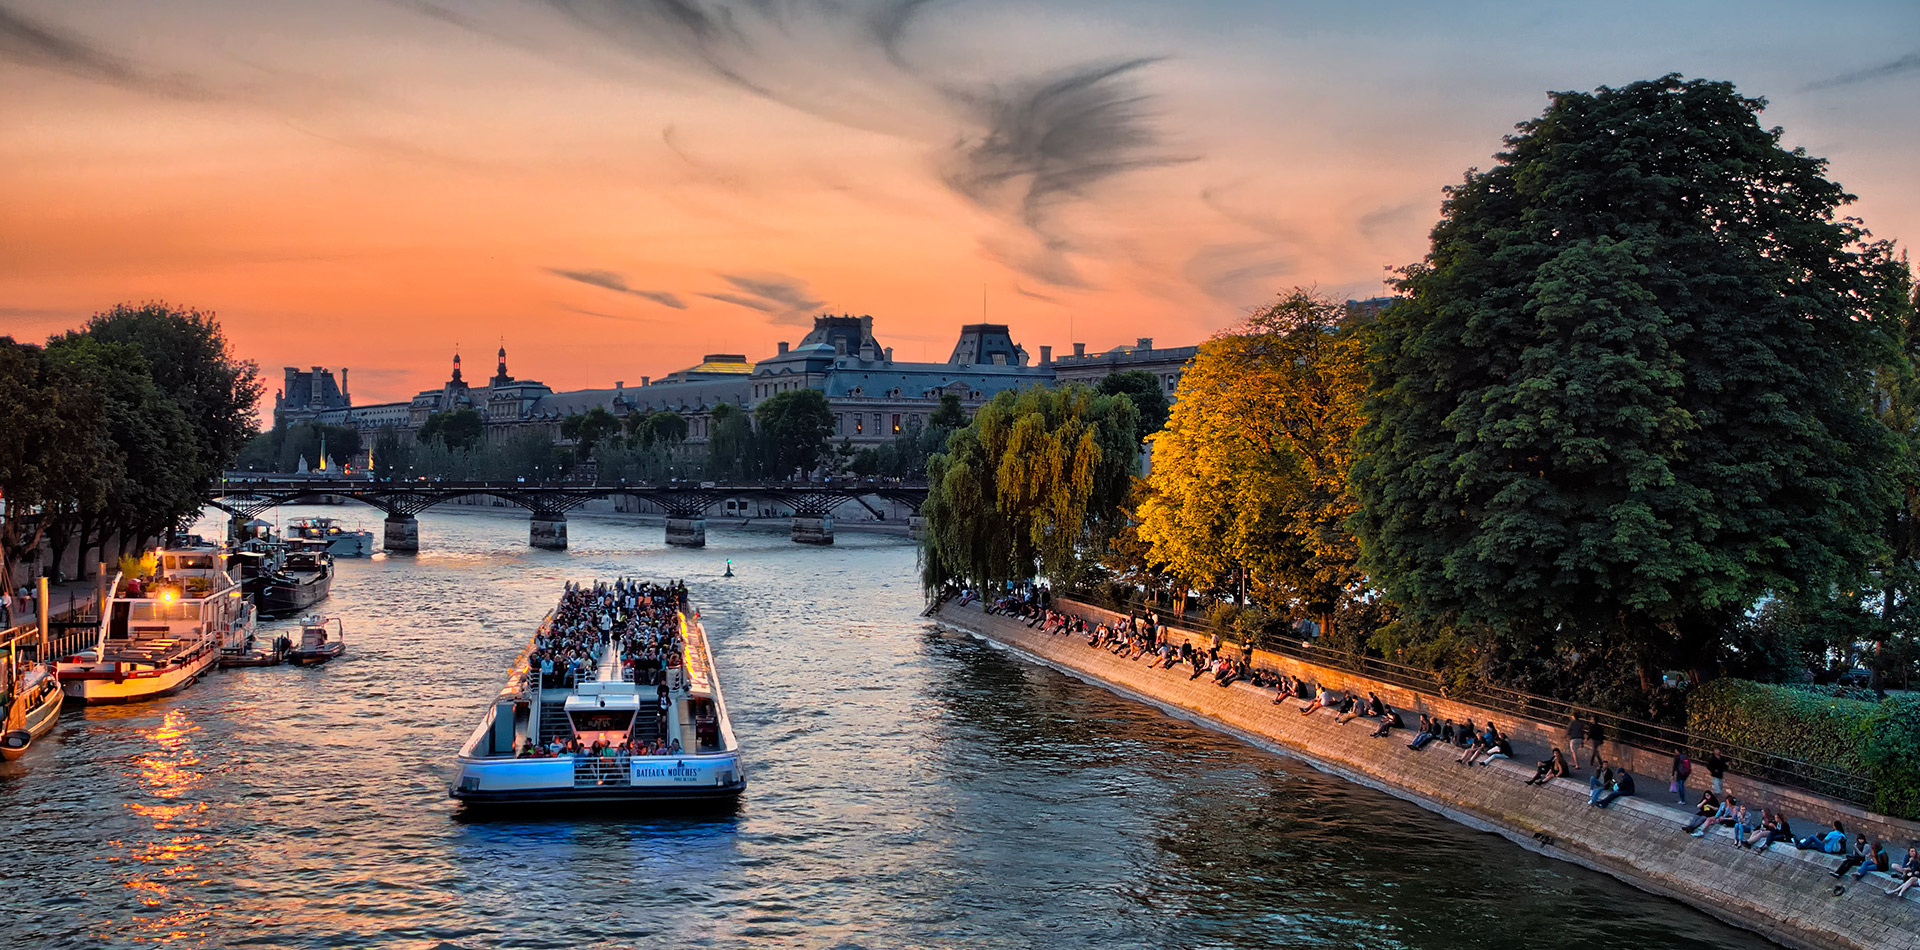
1599, 782
1465, 734
1728, 813
1478, 744
1389, 721
1869, 859
1429, 731
1834, 841
1498, 746
1908, 874
1709, 807
1773, 827
1370, 709
1745, 821
1550, 768
1622, 787
1321, 699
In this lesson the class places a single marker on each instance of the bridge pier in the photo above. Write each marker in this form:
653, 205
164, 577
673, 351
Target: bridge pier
687, 532
548, 530
916, 527
403, 534
808, 530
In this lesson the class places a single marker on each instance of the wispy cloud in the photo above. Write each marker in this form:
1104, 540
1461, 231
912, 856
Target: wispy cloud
785, 298
609, 280
1905, 64
32, 43
1022, 147
609, 316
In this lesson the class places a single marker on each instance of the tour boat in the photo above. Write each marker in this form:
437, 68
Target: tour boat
158, 636
33, 710
340, 542
606, 706
321, 639
304, 578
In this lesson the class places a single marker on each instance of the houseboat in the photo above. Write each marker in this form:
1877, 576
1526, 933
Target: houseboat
617, 706
303, 577
157, 636
340, 542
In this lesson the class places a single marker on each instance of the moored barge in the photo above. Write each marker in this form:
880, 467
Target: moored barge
614, 701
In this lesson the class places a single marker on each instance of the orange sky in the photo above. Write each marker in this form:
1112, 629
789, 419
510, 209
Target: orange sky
617, 186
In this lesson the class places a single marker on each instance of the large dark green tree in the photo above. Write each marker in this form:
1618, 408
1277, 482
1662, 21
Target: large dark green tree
1627, 396
1144, 389
457, 430
794, 428
193, 365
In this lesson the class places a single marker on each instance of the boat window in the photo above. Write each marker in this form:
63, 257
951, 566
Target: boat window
161, 610
602, 720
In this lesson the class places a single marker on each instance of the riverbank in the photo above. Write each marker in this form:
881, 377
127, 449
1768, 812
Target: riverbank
1784, 894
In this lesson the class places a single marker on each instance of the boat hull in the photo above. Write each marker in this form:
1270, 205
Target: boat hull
102, 687
40, 720
280, 596
660, 796
314, 657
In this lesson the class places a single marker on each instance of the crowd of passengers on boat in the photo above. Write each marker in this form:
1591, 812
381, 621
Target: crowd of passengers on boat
642, 620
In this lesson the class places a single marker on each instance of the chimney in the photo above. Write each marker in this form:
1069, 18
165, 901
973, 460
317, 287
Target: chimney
343, 387
889, 354
315, 399
619, 384
867, 353
783, 347
646, 380
1145, 343
1046, 356
1079, 349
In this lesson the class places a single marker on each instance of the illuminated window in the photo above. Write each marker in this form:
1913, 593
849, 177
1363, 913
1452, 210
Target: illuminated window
858, 424
896, 423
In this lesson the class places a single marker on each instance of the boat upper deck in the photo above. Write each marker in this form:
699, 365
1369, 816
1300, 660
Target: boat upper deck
620, 669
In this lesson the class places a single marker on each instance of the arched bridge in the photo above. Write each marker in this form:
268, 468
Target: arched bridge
684, 503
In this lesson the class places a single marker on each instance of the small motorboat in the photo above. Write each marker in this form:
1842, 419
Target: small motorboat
34, 711
321, 639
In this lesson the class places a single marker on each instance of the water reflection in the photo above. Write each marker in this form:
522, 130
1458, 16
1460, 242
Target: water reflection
909, 789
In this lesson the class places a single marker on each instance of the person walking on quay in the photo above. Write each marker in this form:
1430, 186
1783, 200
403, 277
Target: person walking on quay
1716, 763
6, 608
1682, 767
1576, 737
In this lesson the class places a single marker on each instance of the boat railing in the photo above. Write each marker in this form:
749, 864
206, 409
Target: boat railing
596, 771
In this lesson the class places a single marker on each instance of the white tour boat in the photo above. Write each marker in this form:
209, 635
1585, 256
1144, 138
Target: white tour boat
576, 736
341, 542
158, 636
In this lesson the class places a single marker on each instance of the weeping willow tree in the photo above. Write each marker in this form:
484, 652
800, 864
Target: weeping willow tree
1034, 486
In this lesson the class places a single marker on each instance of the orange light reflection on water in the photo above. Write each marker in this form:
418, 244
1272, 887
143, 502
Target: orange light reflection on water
161, 872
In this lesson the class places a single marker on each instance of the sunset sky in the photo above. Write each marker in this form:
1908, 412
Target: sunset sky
614, 188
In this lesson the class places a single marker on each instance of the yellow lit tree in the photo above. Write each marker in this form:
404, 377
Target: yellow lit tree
1249, 483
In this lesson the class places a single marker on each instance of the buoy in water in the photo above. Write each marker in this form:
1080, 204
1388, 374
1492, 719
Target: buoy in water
729, 572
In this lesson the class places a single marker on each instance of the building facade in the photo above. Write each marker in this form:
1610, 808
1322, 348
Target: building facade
874, 397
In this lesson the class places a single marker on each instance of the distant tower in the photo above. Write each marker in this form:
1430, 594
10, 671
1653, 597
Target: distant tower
456, 366
500, 377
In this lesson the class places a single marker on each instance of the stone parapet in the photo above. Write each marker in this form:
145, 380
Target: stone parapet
1785, 894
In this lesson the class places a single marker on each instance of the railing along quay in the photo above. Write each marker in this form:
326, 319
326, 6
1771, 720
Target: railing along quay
1613, 727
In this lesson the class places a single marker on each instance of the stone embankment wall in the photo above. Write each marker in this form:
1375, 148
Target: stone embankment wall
1783, 893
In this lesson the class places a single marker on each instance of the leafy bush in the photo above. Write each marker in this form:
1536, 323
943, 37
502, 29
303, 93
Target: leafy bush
1878, 740
1787, 722
1890, 749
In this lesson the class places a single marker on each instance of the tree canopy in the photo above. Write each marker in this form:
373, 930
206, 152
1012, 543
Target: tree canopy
1627, 395
1034, 485
459, 429
794, 426
1249, 484
589, 429
1144, 390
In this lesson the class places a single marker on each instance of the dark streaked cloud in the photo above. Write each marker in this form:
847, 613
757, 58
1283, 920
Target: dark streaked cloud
785, 298
609, 316
1905, 64
1022, 147
31, 43
1048, 141
609, 280
1380, 221
1236, 273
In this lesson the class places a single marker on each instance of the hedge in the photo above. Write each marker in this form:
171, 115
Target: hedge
1878, 740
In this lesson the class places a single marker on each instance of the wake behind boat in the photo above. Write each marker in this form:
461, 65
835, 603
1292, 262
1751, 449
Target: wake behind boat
615, 700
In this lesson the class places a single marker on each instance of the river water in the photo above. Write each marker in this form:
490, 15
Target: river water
907, 788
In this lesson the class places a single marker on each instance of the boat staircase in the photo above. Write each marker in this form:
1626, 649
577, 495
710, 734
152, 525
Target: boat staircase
553, 720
